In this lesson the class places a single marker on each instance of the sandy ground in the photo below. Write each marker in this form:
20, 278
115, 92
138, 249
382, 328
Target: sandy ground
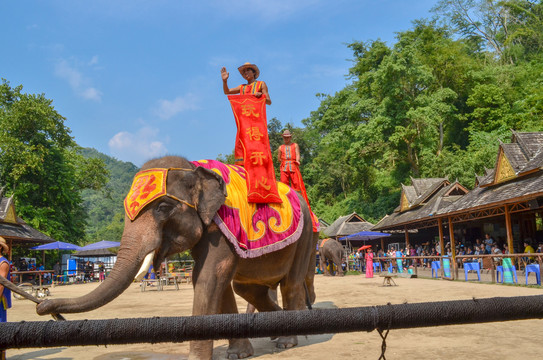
507, 340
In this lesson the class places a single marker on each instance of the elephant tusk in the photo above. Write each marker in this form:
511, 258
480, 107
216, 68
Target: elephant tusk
145, 266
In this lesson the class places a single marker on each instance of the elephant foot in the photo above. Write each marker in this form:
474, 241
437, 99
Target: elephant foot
286, 342
239, 349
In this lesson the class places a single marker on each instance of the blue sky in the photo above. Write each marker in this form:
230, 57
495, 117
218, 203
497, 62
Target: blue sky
139, 79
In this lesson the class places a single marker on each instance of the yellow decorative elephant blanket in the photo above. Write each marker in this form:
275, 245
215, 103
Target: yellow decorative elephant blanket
255, 229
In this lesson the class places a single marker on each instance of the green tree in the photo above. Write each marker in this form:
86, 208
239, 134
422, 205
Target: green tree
104, 207
40, 166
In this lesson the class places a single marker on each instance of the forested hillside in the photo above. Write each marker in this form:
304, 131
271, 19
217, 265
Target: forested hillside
105, 207
434, 104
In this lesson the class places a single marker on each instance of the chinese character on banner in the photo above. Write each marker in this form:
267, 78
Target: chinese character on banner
252, 138
249, 110
254, 133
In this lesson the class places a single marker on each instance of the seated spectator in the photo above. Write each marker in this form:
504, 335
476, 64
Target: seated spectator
488, 243
528, 249
469, 251
496, 250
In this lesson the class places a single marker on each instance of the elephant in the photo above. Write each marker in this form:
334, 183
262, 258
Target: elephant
183, 220
332, 251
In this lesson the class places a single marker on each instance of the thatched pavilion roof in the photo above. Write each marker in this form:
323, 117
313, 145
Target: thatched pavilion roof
347, 225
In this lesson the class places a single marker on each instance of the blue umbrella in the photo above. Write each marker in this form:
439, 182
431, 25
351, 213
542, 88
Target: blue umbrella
104, 244
57, 245
365, 235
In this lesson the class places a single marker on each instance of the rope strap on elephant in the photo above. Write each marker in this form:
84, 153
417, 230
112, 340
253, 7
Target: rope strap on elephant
280, 323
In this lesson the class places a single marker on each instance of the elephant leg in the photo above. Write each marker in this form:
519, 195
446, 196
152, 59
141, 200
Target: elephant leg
294, 298
237, 348
250, 308
338, 262
326, 270
260, 296
215, 264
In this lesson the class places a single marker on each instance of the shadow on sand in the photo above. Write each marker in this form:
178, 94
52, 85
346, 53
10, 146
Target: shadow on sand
265, 346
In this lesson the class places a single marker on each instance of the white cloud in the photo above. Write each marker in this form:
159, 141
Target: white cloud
79, 83
169, 108
93, 60
91, 94
138, 147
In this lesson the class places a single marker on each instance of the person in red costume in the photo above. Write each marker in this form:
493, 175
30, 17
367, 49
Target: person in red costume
250, 73
289, 157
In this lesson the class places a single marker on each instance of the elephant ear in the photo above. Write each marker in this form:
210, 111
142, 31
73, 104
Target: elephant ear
212, 194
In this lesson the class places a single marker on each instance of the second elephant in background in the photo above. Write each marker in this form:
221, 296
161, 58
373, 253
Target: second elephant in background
331, 252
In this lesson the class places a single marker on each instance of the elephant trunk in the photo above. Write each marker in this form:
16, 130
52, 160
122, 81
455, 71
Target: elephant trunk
129, 260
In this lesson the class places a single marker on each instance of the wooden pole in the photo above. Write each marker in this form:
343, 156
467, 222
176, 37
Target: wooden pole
441, 244
383, 244
453, 248
11, 250
406, 237
509, 230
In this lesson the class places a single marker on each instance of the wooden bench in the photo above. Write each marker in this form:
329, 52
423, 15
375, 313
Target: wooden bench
388, 279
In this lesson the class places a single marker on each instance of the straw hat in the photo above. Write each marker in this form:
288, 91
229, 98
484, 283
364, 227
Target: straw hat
251, 66
4, 245
287, 133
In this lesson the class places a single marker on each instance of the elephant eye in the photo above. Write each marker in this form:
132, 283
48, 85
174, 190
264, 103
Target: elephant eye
164, 208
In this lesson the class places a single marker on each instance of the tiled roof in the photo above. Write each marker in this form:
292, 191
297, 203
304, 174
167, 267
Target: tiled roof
527, 186
441, 199
347, 225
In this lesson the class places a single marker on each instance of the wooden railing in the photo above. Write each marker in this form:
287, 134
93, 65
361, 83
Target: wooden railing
519, 260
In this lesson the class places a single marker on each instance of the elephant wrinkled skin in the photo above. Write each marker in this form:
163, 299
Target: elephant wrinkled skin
330, 250
167, 226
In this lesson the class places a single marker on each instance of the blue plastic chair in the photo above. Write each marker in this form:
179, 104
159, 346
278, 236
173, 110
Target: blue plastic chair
436, 265
535, 269
472, 266
377, 265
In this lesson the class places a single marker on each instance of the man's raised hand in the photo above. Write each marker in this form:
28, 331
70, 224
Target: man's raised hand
224, 74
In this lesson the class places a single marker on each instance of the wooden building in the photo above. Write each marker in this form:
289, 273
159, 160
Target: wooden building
507, 202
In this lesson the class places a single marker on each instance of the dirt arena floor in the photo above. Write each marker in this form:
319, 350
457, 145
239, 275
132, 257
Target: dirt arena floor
507, 340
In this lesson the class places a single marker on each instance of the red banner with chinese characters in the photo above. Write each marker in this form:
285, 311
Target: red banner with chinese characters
252, 139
